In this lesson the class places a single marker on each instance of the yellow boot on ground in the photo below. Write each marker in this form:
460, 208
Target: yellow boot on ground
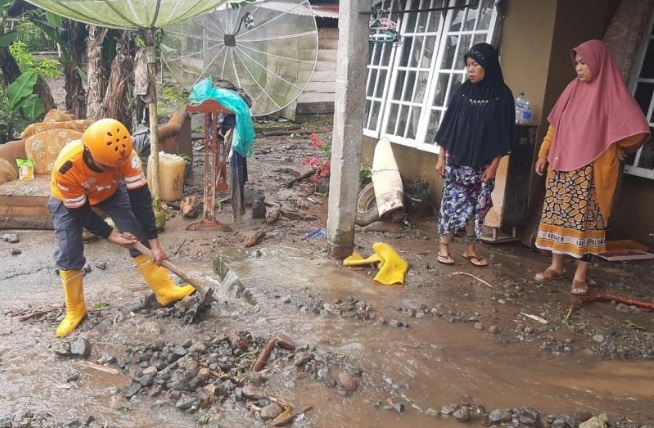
393, 267
160, 283
75, 306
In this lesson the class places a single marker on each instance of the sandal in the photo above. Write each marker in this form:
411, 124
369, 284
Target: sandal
445, 259
547, 275
476, 261
579, 288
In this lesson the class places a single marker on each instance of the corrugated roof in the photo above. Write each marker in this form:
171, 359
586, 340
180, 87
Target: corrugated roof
294, 8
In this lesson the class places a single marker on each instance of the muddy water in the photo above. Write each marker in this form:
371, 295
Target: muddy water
431, 363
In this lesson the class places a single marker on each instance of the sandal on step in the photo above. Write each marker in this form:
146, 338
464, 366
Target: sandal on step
445, 259
547, 275
476, 261
579, 288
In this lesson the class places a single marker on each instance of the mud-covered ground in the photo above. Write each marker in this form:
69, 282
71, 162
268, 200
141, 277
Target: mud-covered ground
457, 344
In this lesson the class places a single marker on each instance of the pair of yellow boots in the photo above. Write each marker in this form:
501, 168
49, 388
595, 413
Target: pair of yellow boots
155, 276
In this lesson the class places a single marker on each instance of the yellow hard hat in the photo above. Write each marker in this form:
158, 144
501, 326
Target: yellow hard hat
108, 141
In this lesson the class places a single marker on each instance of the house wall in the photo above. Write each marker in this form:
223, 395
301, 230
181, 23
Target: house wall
535, 46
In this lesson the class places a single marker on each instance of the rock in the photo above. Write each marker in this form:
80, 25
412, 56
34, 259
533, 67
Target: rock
185, 403
346, 381
284, 341
12, 238
462, 414
431, 412
593, 422
80, 348
500, 415
599, 338
101, 265
253, 392
271, 411
448, 409
132, 390
15, 251
150, 371
326, 377
582, 415
527, 416
258, 208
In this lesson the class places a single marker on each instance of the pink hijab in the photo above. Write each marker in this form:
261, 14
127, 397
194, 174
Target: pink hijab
590, 117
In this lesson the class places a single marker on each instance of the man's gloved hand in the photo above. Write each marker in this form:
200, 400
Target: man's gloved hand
126, 240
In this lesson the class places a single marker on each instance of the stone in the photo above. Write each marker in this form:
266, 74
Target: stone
448, 409
594, 422
500, 415
271, 411
132, 390
462, 414
81, 348
12, 238
253, 392
346, 381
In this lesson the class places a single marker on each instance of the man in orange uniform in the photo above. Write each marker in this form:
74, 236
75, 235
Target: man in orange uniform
102, 170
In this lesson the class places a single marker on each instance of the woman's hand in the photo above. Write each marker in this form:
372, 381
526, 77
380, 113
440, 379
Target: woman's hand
622, 154
540, 166
440, 164
125, 240
490, 171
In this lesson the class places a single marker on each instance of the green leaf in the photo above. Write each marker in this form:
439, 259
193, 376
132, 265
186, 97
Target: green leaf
8, 38
22, 88
82, 74
32, 107
4, 4
54, 19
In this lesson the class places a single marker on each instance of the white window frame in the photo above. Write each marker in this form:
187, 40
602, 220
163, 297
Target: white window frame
423, 139
633, 169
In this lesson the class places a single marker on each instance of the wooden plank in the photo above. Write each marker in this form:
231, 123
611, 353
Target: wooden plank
23, 211
314, 108
320, 76
328, 43
325, 66
26, 223
328, 33
316, 97
328, 55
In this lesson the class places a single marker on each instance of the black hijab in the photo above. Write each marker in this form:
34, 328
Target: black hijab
480, 118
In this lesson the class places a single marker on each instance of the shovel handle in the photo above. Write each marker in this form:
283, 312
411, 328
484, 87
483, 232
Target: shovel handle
171, 267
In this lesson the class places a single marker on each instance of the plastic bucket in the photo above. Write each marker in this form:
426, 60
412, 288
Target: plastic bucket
171, 176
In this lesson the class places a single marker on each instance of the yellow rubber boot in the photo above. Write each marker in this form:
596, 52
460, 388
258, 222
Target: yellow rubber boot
393, 266
160, 283
357, 259
75, 306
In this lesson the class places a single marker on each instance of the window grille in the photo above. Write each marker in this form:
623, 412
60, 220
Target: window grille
409, 83
641, 163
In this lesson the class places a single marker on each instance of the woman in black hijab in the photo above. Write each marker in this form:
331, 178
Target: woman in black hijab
476, 132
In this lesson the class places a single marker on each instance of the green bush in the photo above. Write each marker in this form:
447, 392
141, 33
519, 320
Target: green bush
26, 61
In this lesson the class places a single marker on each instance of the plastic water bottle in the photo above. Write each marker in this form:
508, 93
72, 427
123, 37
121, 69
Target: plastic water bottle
526, 113
520, 103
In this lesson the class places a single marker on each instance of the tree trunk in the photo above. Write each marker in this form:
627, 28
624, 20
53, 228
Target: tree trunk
10, 70
73, 59
120, 81
95, 72
44, 92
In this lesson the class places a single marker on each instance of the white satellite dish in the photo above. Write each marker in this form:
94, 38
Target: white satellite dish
267, 48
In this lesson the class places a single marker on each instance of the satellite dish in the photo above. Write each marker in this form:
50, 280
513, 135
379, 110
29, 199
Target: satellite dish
267, 48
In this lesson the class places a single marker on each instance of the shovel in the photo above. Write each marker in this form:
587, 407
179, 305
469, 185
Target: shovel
202, 286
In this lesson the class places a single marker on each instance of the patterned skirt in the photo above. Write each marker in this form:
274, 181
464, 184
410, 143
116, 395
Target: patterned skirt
571, 222
466, 199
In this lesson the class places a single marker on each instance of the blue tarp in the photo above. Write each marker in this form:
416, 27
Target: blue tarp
244, 135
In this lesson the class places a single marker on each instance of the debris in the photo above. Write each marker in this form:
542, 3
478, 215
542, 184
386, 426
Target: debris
264, 355
472, 276
535, 318
12, 238
304, 176
253, 238
188, 207
606, 298
316, 234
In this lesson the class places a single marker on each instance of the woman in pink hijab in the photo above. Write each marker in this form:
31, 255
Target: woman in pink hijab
592, 125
